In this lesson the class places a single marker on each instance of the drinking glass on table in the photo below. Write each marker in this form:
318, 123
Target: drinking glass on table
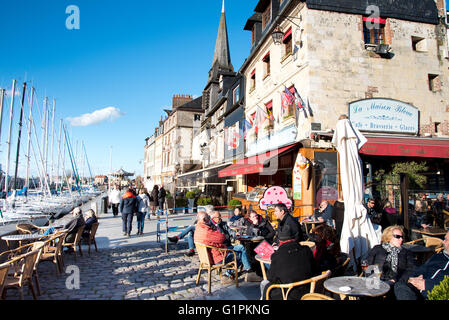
364, 265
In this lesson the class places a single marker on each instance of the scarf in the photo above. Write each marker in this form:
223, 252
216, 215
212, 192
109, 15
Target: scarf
392, 256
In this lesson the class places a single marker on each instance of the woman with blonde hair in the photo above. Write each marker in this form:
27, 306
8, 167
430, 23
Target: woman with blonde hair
394, 261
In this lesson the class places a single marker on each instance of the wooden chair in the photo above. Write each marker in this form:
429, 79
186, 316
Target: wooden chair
310, 244
25, 276
4, 268
340, 270
446, 218
314, 282
315, 296
429, 242
29, 228
206, 263
76, 245
53, 252
91, 240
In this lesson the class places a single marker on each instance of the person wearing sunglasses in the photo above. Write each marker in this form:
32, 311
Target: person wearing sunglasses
394, 261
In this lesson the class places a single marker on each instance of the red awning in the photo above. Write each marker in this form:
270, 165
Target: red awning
287, 34
406, 147
252, 164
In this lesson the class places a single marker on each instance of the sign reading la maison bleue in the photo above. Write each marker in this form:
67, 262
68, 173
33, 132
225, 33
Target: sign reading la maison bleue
384, 115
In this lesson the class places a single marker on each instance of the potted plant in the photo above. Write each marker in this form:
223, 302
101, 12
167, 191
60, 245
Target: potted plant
169, 200
181, 204
232, 204
440, 291
203, 202
191, 195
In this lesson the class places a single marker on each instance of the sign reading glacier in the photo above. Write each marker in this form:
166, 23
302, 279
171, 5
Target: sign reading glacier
384, 115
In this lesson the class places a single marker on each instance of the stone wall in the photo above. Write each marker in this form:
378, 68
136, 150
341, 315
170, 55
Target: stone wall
343, 71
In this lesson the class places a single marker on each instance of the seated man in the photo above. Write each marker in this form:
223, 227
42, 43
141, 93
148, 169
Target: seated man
219, 225
426, 277
286, 219
189, 232
205, 234
292, 262
73, 225
260, 226
237, 219
324, 214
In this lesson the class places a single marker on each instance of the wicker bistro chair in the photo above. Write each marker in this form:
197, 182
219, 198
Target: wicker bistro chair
76, 245
91, 240
315, 296
4, 268
27, 263
206, 263
53, 251
429, 242
315, 282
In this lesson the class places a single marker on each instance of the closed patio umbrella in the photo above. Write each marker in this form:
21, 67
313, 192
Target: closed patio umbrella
358, 235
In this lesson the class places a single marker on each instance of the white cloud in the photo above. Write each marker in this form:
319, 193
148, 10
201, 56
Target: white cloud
96, 117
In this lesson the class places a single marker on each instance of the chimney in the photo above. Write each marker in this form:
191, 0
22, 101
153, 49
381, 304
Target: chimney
181, 99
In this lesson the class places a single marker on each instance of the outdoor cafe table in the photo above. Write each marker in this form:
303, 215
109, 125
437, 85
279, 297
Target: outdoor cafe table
22, 237
355, 287
431, 232
310, 224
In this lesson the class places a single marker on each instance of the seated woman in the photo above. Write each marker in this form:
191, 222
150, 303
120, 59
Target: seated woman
394, 261
260, 226
327, 248
91, 219
237, 219
292, 262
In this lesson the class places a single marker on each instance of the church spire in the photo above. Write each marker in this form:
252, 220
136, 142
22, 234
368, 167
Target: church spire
222, 56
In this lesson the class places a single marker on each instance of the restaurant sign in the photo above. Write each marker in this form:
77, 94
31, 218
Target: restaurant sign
384, 115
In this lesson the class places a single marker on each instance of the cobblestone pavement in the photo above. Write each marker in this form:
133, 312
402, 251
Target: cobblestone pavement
133, 273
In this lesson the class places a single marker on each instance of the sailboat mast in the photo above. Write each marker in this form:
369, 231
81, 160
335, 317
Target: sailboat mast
11, 113
52, 141
59, 154
2, 97
30, 121
20, 135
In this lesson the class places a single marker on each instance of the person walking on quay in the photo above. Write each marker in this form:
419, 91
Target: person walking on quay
143, 205
128, 206
154, 200
161, 198
114, 198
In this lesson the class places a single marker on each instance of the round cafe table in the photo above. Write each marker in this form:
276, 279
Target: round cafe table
23, 237
356, 287
262, 265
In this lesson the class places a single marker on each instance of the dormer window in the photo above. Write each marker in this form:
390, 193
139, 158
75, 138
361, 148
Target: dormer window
374, 30
253, 80
266, 16
221, 82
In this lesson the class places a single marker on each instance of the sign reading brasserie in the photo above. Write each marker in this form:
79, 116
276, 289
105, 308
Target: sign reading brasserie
384, 115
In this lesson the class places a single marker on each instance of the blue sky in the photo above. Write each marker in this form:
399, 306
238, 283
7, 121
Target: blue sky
130, 56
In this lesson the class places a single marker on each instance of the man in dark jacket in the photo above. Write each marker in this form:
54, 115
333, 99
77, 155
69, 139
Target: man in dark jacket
128, 206
285, 219
291, 263
73, 225
161, 198
426, 277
